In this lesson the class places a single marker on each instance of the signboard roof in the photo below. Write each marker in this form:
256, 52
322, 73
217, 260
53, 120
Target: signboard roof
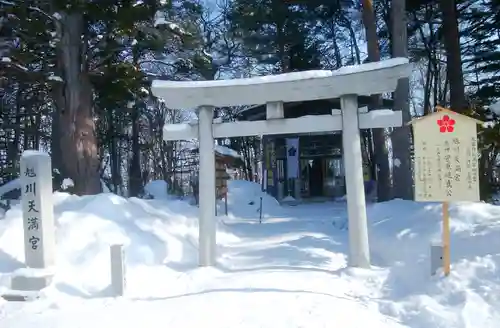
439, 111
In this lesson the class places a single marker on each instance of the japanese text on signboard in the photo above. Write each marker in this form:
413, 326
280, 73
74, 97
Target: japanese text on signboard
446, 159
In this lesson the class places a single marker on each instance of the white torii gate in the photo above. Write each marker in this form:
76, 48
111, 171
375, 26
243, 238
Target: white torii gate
346, 83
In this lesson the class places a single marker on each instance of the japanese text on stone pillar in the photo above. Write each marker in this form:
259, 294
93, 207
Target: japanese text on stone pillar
33, 220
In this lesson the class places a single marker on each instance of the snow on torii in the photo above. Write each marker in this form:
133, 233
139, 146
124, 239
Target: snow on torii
346, 83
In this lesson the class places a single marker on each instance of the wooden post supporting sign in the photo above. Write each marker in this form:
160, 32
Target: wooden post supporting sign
446, 239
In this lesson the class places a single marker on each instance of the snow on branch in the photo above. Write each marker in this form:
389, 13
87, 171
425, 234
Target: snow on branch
161, 21
54, 78
12, 3
8, 63
495, 107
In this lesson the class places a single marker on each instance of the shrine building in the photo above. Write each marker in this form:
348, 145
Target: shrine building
315, 159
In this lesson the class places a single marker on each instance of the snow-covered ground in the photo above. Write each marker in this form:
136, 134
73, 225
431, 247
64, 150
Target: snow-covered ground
288, 271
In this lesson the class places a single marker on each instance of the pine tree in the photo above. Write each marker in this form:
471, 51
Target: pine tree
275, 33
91, 55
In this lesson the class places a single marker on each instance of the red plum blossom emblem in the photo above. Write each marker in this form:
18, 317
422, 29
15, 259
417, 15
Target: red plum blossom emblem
446, 124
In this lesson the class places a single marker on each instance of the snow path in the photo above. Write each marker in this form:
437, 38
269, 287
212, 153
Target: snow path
288, 271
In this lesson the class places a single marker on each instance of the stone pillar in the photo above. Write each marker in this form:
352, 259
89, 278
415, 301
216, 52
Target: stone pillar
207, 223
117, 261
38, 222
359, 251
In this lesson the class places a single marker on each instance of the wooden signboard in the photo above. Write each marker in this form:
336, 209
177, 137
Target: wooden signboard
221, 178
446, 157
446, 164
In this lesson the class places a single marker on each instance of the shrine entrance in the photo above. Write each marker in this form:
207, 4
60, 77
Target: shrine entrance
315, 168
320, 170
345, 84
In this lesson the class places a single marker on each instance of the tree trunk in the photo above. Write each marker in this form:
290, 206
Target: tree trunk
427, 89
485, 185
379, 140
56, 153
78, 142
115, 159
336, 49
353, 39
453, 55
13, 147
401, 144
135, 176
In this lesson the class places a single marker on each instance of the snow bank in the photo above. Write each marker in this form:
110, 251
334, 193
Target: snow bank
159, 237
244, 200
158, 189
401, 233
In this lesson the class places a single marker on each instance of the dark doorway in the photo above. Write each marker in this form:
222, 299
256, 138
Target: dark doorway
316, 178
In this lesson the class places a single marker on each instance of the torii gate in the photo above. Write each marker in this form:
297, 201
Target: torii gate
346, 83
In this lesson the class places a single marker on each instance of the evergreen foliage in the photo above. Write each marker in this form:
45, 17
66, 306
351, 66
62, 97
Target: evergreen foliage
53, 52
